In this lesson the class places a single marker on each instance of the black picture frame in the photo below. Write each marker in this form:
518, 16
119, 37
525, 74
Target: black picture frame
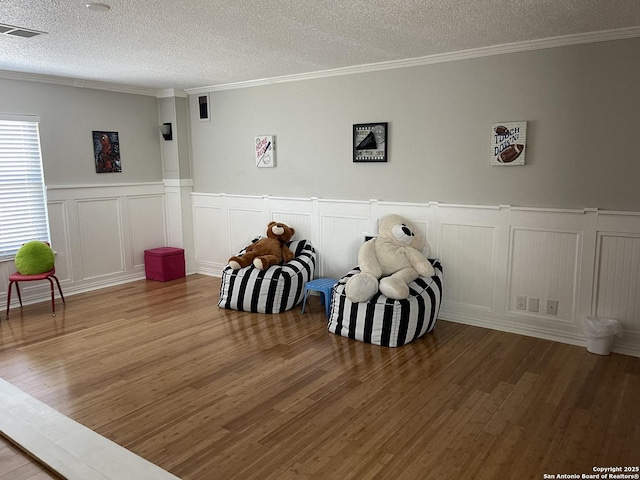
370, 142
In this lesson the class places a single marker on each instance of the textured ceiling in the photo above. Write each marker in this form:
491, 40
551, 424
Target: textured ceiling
163, 44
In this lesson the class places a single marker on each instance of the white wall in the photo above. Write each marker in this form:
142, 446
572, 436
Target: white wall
587, 260
581, 103
68, 115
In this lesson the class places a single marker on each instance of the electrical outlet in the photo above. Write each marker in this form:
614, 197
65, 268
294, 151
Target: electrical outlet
552, 307
534, 304
521, 302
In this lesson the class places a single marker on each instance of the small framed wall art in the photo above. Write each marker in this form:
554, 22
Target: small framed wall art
508, 143
265, 151
370, 142
106, 151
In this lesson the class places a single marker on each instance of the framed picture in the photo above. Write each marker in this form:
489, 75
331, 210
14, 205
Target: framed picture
106, 150
370, 142
265, 151
508, 143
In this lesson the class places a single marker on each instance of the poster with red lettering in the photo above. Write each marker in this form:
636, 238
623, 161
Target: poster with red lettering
508, 143
265, 152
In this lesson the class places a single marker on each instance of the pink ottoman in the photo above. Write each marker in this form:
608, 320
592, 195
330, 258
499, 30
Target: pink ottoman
164, 263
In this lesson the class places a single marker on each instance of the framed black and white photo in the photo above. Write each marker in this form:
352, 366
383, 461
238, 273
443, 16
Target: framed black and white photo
370, 142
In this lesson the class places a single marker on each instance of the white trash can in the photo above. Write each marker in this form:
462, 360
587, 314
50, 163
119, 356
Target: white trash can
600, 333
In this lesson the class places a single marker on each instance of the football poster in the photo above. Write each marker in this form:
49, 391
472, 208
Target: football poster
508, 143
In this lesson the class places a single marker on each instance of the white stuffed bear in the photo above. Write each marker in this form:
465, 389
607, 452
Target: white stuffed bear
397, 257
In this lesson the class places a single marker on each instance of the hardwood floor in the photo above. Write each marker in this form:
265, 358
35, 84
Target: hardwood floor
210, 393
16, 465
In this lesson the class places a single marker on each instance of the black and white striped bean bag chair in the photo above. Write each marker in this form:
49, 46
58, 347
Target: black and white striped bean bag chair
274, 290
384, 321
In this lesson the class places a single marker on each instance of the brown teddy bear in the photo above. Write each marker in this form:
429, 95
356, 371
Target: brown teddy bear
268, 251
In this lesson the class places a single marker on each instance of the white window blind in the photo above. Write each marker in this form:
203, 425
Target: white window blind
23, 208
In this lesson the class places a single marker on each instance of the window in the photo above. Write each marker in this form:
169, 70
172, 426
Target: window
23, 208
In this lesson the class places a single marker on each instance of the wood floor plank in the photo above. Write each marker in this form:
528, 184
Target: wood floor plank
17, 465
211, 393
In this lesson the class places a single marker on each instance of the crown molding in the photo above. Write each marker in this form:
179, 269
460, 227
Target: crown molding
78, 83
551, 42
171, 92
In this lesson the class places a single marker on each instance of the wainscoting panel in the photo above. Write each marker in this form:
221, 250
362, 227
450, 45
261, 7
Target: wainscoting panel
618, 279
340, 242
59, 230
99, 234
544, 265
301, 222
173, 204
419, 214
244, 225
212, 239
342, 229
100, 226
467, 252
146, 217
490, 254
295, 212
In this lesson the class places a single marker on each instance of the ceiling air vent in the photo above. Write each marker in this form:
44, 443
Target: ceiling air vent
18, 31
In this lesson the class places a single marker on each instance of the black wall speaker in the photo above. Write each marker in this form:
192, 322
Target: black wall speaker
203, 103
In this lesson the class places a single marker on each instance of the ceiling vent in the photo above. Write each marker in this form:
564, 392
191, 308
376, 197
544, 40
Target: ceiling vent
18, 31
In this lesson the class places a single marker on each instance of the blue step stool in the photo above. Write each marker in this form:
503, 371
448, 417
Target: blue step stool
322, 285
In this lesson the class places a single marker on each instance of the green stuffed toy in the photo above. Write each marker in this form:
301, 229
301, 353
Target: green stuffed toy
34, 258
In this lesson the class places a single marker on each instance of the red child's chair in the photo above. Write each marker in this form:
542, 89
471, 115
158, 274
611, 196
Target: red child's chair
18, 277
